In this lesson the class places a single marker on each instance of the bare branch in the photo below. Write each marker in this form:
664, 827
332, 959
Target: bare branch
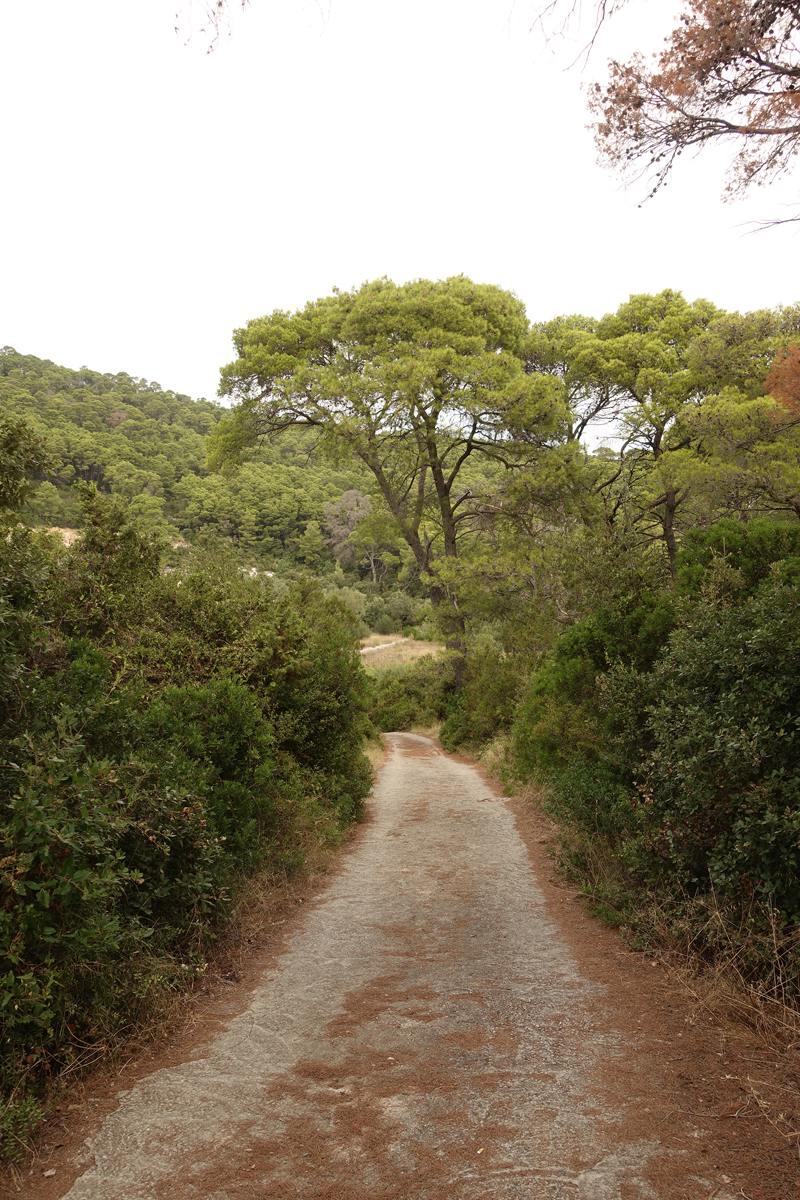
730, 72
212, 19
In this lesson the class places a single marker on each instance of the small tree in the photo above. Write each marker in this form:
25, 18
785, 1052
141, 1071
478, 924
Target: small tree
311, 545
342, 517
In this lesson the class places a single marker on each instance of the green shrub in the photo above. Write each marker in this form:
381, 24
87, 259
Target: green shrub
595, 797
487, 701
108, 571
561, 714
69, 834
419, 694
748, 547
720, 793
401, 608
374, 611
221, 725
19, 1120
165, 735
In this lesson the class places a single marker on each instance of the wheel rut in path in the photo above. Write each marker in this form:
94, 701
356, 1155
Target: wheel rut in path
427, 1033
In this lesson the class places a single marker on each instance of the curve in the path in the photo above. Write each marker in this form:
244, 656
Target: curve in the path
426, 1034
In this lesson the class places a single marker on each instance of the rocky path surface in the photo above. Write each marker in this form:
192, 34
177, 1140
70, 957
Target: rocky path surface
427, 1032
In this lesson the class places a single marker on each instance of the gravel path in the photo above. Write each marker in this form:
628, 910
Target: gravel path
426, 1034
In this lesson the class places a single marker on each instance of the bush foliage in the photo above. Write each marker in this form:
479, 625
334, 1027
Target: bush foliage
164, 734
683, 761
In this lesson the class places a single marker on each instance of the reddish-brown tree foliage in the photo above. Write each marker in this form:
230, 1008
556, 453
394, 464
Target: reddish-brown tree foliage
783, 381
730, 71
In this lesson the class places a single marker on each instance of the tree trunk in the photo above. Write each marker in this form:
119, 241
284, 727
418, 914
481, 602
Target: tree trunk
671, 501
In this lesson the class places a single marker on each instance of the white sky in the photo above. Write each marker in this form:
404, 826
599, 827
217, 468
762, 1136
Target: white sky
154, 197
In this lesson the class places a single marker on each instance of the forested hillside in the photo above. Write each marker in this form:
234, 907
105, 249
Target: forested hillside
134, 440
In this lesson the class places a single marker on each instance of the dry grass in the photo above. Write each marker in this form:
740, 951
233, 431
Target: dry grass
721, 985
726, 986
376, 753
494, 755
395, 652
431, 731
68, 536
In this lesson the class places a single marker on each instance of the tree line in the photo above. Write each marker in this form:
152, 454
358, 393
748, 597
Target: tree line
133, 439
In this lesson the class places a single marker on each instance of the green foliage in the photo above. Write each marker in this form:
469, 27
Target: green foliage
19, 1120
486, 704
751, 548
121, 433
594, 797
671, 765
418, 694
374, 611
166, 734
23, 565
147, 446
23, 455
721, 790
401, 608
110, 569
561, 714
98, 857
221, 727
269, 505
413, 381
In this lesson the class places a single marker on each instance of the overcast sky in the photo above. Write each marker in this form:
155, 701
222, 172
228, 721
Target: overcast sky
155, 197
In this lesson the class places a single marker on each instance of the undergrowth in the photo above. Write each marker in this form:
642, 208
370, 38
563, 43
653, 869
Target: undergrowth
738, 959
166, 737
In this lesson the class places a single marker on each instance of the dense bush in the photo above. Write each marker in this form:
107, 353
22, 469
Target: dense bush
750, 548
561, 715
419, 694
673, 764
593, 797
164, 735
487, 701
720, 791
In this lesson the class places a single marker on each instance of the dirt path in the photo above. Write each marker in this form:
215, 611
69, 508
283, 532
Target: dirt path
381, 646
429, 1031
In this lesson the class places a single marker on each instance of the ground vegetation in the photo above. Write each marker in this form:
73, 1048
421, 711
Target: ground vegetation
165, 732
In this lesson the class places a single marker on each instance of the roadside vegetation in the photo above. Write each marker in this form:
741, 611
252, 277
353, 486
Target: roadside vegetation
578, 543
169, 728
